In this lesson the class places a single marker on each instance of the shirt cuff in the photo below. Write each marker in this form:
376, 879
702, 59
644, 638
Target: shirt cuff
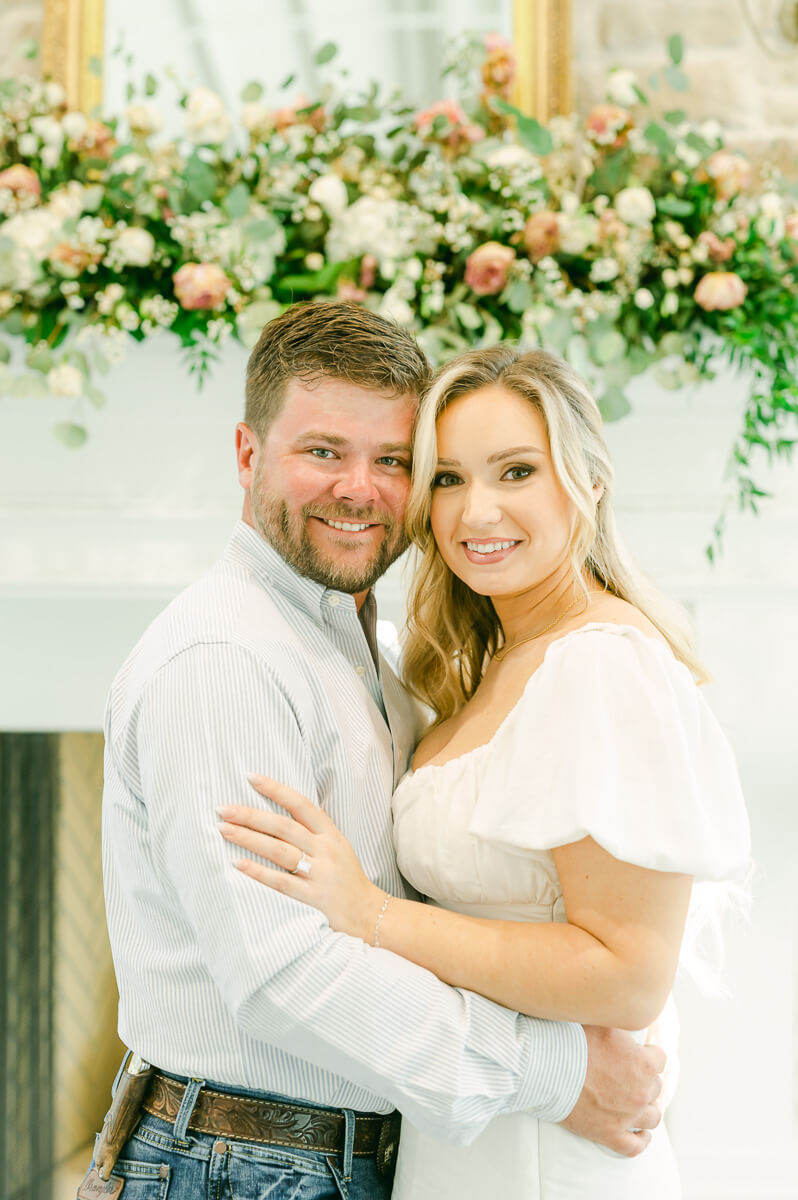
556, 1071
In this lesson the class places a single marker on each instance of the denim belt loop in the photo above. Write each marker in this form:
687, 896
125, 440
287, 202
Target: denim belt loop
349, 1142
193, 1089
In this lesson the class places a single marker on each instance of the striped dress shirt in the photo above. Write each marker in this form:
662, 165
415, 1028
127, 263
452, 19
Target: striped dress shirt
255, 668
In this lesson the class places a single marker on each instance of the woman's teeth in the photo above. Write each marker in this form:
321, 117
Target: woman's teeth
488, 547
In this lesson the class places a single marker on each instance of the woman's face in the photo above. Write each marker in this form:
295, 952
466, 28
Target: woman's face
500, 516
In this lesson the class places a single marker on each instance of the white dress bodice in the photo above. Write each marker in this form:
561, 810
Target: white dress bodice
611, 739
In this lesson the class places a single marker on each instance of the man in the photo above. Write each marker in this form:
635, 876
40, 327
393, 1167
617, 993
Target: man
281, 1047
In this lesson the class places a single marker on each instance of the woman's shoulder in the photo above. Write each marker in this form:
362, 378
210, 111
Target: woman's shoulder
608, 610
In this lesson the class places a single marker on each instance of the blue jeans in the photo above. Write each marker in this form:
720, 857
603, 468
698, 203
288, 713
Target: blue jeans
162, 1161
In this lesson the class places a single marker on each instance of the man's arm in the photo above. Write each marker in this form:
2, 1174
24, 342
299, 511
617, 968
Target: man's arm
450, 1060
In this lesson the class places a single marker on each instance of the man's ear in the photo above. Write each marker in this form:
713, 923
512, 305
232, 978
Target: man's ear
247, 447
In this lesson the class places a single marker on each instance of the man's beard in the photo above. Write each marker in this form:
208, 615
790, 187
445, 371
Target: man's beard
288, 534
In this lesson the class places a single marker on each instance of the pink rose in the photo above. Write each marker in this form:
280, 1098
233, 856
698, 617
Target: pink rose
541, 235
720, 291
719, 250
498, 69
347, 290
608, 125
21, 180
487, 268
791, 227
460, 132
201, 285
368, 271
729, 172
294, 114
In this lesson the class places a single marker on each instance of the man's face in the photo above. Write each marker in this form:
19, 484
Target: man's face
328, 485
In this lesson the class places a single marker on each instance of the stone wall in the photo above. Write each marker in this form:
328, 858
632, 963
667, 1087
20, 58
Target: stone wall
733, 78
20, 23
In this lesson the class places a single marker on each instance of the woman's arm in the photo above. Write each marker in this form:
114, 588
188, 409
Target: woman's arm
612, 964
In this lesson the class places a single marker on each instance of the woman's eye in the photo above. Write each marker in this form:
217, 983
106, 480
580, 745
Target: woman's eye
446, 479
322, 452
519, 472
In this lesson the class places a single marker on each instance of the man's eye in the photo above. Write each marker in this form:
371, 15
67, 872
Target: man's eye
322, 452
446, 479
519, 472
388, 460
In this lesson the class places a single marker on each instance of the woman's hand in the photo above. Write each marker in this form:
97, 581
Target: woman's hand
334, 881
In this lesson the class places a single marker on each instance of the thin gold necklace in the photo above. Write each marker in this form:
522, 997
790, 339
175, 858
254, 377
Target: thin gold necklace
530, 637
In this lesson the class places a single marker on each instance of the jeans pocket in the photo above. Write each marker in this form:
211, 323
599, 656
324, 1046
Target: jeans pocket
270, 1173
143, 1180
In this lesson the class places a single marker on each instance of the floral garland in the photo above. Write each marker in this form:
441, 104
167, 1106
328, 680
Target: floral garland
621, 239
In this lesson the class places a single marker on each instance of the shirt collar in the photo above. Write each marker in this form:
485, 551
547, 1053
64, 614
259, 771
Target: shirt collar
246, 546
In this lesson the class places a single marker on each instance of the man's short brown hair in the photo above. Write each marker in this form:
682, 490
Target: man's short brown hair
330, 340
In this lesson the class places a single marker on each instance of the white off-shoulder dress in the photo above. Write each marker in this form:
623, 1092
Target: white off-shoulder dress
612, 739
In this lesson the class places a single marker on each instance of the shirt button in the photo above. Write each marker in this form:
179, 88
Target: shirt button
361, 671
334, 601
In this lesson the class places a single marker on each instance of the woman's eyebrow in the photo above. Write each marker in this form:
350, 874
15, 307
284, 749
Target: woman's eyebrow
511, 453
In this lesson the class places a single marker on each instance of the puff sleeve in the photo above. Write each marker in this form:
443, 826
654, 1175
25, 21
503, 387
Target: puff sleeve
612, 739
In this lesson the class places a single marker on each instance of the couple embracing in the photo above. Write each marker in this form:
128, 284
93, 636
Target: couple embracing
278, 804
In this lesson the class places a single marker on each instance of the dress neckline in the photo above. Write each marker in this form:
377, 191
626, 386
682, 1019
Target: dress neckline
591, 626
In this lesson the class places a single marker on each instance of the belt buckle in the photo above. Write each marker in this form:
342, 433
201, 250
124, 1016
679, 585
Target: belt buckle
388, 1144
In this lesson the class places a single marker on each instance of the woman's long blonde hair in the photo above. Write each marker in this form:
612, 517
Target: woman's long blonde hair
452, 631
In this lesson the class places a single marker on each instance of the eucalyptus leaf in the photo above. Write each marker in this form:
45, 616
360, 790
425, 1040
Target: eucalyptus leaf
468, 316
607, 347
289, 79
94, 396
252, 92
556, 333
658, 135
95, 66
262, 228
518, 295
326, 54
6, 245
676, 79
676, 116
613, 404
531, 133
5, 352
40, 358
150, 84
200, 179
236, 202
674, 206
70, 434
676, 48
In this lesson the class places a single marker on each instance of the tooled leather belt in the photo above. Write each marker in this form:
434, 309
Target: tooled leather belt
276, 1122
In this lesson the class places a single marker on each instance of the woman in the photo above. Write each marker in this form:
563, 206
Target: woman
573, 783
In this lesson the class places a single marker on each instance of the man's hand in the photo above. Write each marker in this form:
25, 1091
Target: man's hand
618, 1106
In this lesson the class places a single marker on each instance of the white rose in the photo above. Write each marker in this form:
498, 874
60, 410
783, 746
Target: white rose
394, 308
144, 117
576, 233
643, 298
28, 144
48, 129
134, 247
771, 204
329, 192
128, 164
67, 202
206, 119
635, 206
74, 125
51, 156
256, 118
604, 269
621, 87
54, 94
510, 157
670, 278
65, 381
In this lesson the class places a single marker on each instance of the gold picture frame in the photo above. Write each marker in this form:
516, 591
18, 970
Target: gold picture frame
72, 48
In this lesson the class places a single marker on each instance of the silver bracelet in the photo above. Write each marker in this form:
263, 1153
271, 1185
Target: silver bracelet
385, 904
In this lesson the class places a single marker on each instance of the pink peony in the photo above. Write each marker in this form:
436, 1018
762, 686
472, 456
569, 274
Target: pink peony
459, 133
541, 235
201, 285
719, 250
21, 180
719, 291
608, 125
729, 172
487, 268
70, 260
